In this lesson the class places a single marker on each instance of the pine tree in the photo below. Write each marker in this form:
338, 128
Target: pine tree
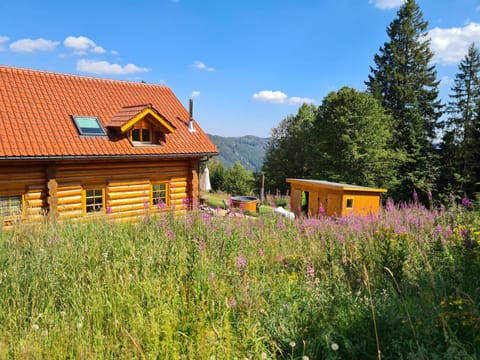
405, 82
461, 140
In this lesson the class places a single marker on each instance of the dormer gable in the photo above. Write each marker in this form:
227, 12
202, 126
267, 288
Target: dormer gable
141, 123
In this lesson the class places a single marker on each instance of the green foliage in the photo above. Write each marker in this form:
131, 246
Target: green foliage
288, 152
200, 286
248, 150
461, 140
217, 175
405, 83
238, 180
352, 137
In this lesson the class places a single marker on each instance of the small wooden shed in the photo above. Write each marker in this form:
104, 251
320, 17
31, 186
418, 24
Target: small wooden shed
335, 199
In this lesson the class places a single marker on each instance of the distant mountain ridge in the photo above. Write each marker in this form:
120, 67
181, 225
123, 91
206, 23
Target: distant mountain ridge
249, 150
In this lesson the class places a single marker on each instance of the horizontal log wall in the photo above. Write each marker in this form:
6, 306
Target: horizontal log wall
27, 180
128, 184
60, 187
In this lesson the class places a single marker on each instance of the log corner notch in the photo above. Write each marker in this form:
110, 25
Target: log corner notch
193, 184
52, 196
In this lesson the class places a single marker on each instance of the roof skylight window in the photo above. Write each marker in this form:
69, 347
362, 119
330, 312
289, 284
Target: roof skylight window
88, 125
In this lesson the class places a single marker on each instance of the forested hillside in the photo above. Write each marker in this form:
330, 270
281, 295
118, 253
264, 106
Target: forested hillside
248, 150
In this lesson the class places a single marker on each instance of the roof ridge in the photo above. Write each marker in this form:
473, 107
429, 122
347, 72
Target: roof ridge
138, 105
76, 76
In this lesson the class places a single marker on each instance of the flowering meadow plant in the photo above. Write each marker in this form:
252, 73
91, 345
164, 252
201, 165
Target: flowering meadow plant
403, 284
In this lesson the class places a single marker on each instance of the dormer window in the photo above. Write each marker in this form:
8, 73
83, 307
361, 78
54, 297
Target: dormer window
142, 124
143, 135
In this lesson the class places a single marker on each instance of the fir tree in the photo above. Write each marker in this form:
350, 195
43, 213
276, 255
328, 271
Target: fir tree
461, 140
405, 82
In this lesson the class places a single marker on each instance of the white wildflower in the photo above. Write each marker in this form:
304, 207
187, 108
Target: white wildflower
35, 327
335, 346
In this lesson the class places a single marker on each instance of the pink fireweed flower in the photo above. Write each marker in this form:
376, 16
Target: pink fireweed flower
211, 276
161, 205
321, 210
390, 206
109, 210
340, 238
466, 203
228, 231
241, 262
232, 303
201, 245
310, 272
261, 252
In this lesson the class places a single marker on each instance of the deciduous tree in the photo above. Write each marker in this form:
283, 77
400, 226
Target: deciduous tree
353, 140
288, 151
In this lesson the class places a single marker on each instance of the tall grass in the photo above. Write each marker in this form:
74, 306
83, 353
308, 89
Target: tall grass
403, 285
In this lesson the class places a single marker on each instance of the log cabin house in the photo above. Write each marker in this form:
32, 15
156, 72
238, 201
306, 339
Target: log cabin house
335, 199
75, 146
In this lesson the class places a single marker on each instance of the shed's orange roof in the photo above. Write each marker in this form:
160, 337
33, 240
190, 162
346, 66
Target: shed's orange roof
36, 109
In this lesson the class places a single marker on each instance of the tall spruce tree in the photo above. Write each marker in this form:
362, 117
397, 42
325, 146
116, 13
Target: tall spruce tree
406, 84
461, 140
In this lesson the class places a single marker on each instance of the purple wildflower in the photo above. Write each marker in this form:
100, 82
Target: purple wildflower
241, 262
161, 205
340, 238
321, 210
466, 203
310, 272
415, 197
232, 303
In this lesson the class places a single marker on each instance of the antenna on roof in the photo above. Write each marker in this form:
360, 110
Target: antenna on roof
190, 123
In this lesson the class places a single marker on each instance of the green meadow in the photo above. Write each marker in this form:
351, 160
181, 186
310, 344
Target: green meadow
404, 285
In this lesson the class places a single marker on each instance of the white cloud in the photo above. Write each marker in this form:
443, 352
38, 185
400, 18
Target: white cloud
104, 67
450, 45
30, 45
386, 4
114, 52
300, 100
3, 39
201, 66
195, 94
81, 45
279, 97
445, 81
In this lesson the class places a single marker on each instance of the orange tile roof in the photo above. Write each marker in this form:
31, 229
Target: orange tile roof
36, 109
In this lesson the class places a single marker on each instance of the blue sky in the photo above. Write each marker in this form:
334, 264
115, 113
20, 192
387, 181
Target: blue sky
248, 63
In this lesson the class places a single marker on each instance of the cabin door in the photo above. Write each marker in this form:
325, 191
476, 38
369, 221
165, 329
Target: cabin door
334, 205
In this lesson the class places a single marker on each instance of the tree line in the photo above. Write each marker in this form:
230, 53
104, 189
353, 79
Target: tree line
397, 133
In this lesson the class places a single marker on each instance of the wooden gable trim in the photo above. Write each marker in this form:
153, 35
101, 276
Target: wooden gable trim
165, 124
